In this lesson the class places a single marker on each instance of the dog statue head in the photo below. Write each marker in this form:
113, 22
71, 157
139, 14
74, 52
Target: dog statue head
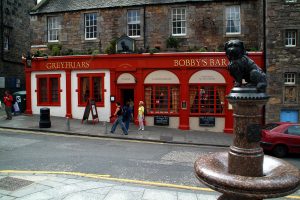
234, 49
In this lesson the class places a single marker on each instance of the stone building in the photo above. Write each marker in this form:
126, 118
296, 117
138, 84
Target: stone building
14, 41
283, 60
198, 25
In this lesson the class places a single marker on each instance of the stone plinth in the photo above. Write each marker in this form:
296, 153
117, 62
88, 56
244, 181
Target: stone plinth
244, 172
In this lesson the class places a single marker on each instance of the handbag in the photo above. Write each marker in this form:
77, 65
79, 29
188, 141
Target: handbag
16, 107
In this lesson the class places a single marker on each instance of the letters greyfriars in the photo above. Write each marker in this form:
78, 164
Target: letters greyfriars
242, 67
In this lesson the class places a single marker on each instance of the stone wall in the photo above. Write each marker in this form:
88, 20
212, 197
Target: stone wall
15, 23
205, 26
281, 59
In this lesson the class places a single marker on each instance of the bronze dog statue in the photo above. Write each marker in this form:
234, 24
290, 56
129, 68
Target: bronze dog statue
242, 67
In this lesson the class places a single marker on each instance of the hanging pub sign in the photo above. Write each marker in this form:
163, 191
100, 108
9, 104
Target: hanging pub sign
207, 121
125, 44
90, 108
161, 120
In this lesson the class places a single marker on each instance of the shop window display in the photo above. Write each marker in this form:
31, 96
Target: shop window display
162, 99
48, 90
207, 99
91, 86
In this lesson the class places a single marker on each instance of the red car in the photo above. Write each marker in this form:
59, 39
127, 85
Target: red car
281, 138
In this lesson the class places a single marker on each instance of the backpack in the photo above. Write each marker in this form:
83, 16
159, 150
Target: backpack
125, 111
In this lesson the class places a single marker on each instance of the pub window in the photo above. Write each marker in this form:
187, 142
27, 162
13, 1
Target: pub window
91, 86
53, 29
134, 23
207, 99
48, 90
290, 78
290, 38
178, 21
233, 20
162, 99
90, 26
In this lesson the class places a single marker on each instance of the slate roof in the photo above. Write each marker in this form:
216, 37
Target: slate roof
53, 6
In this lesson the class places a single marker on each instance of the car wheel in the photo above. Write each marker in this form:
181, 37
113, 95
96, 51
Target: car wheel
280, 151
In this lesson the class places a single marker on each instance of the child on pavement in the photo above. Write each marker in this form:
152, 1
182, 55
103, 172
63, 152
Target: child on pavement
141, 115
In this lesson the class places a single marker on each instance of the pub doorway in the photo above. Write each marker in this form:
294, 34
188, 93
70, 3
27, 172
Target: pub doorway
127, 95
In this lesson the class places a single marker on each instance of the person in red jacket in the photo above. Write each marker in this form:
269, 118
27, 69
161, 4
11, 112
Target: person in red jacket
8, 101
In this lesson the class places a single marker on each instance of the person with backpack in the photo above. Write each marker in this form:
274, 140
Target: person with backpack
127, 114
119, 120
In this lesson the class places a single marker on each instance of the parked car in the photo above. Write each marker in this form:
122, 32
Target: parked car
281, 138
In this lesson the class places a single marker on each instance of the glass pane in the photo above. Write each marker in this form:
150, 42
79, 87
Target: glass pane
54, 90
84, 89
43, 97
161, 94
97, 83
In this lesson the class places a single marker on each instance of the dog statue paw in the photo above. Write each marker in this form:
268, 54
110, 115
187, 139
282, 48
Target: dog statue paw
241, 67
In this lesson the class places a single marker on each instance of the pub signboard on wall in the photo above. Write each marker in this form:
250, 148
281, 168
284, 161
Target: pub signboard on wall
207, 121
161, 120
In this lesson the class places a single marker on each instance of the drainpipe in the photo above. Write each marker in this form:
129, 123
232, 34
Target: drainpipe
264, 35
145, 40
2, 29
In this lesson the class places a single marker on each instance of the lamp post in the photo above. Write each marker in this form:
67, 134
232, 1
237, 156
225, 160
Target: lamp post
28, 60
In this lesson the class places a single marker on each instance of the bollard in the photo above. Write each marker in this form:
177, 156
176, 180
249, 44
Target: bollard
68, 124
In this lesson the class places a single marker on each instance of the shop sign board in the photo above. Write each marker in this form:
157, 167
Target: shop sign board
161, 120
207, 121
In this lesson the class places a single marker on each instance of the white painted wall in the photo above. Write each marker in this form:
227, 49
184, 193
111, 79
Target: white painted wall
59, 111
103, 112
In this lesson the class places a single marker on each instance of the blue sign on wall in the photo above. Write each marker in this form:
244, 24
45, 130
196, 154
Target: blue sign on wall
289, 116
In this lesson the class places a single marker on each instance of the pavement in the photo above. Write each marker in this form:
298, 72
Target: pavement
102, 129
44, 185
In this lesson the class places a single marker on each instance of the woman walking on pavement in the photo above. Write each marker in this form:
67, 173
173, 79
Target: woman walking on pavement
8, 101
118, 120
141, 115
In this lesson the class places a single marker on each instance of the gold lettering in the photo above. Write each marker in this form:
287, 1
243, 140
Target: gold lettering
211, 62
181, 63
224, 62
217, 63
176, 63
187, 63
204, 62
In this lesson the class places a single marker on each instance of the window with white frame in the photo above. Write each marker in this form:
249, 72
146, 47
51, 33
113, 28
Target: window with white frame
90, 26
134, 23
290, 38
290, 78
53, 29
233, 20
178, 21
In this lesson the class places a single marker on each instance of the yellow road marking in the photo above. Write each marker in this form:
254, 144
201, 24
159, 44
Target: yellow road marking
107, 177
293, 197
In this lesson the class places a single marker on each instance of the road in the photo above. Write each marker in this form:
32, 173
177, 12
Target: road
145, 161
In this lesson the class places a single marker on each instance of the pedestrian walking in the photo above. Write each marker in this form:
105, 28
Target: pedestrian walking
141, 115
119, 120
126, 115
8, 102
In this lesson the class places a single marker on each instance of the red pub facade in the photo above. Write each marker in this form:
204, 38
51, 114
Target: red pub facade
186, 90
